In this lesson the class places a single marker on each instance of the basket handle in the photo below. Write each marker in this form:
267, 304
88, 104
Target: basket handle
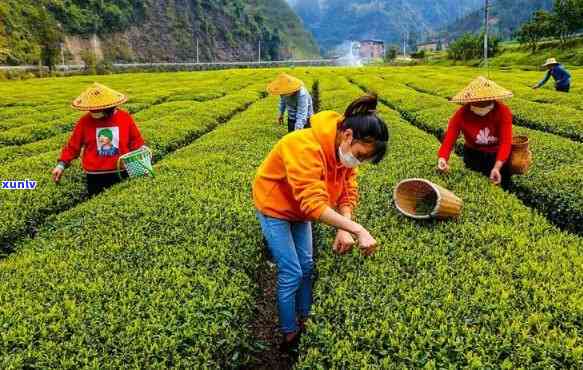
149, 150
119, 168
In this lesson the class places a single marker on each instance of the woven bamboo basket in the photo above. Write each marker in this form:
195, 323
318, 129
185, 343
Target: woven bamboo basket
421, 199
521, 157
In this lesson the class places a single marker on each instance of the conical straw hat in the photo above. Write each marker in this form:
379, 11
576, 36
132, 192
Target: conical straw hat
284, 84
550, 61
481, 89
98, 97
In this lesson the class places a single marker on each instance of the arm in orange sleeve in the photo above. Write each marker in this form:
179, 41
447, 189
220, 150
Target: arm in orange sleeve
505, 135
73, 147
349, 197
304, 174
453, 131
136, 141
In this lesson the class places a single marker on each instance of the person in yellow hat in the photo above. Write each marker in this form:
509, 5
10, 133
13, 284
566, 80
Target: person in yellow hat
559, 73
486, 124
311, 175
295, 99
103, 134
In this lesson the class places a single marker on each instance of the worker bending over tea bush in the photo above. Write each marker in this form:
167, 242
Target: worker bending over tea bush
310, 175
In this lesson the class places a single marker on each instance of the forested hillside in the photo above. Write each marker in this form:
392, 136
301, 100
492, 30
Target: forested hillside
335, 21
506, 15
151, 30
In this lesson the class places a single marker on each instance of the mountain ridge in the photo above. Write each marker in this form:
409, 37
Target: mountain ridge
151, 30
506, 16
335, 21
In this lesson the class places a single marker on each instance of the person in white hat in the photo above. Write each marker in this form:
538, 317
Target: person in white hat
486, 124
295, 99
559, 73
103, 135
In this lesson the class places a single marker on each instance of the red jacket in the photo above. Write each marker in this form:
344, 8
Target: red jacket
103, 141
491, 133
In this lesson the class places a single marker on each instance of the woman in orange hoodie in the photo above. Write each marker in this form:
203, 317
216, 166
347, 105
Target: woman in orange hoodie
310, 175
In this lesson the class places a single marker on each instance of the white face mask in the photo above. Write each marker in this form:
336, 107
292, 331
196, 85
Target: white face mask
482, 111
97, 115
347, 159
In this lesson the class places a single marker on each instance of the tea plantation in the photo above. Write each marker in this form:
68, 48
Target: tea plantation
162, 272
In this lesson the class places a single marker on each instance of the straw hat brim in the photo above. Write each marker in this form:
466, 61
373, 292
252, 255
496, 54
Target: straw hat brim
98, 97
79, 106
479, 99
481, 90
278, 88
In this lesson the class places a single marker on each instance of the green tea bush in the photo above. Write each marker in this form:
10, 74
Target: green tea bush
560, 120
40, 94
499, 288
521, 84
22, 210
12, 117
38, 131
551, 153
16, 152
9, 112
154, 273
29, 128
397, 96
142, 112
557, 193
160, 273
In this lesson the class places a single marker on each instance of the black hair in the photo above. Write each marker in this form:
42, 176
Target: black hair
109, 111
361, 117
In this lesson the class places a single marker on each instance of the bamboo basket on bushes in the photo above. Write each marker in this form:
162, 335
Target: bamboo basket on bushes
421, 199
521, 157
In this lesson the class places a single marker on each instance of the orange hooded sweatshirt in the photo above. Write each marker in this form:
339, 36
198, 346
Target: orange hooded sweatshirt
301, 176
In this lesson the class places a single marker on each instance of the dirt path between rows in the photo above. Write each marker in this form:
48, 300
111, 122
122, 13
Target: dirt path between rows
265, 325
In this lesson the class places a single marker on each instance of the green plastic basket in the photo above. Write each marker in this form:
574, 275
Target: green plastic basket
137, 163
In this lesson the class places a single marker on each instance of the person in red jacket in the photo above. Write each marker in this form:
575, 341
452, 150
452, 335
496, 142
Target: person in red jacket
104, 134
486, 124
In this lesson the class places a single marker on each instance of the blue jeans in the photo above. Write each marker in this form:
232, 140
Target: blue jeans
290, 243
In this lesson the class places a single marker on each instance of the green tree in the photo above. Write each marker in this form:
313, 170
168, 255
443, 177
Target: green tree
464, 48
471, 46
532, 32
567, 18
90, 60
391, 54
4, 52
270, 45
418, 55
50, 38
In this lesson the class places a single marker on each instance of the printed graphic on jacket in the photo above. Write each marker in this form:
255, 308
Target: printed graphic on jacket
107, 141
484, 138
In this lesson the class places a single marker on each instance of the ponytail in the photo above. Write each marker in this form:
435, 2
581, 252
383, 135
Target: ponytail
361, 117
365, 105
